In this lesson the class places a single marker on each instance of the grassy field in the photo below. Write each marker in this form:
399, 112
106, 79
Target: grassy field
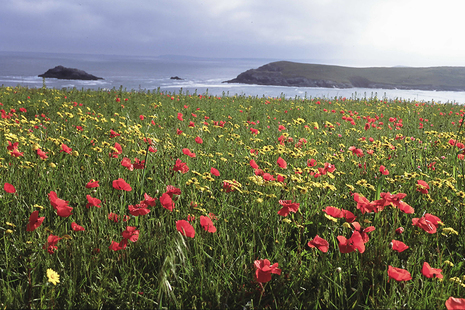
123, 200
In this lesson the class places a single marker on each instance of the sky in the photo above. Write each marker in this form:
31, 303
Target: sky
368, 33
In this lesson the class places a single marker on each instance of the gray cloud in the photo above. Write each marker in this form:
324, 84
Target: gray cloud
356, 32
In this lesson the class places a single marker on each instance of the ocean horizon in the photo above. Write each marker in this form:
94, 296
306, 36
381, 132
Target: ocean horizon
199, 76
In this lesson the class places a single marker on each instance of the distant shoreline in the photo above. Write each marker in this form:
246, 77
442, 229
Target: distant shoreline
285, 73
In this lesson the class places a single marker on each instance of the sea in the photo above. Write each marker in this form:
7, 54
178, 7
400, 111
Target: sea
198, 75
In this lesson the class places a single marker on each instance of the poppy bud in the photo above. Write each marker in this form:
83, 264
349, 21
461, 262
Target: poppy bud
399, 230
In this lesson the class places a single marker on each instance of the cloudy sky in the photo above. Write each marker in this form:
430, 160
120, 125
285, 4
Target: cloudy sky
341, 32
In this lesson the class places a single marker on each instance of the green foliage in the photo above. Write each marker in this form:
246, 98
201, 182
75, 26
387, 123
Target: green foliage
164, 269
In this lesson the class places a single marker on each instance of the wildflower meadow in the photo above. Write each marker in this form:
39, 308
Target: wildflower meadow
116, 199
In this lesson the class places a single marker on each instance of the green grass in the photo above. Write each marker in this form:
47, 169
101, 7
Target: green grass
163, 268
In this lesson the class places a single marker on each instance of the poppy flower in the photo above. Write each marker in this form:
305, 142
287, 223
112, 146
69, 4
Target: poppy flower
138, 164
311, 162
356, 151
139, 209
422, 187
428, 223
264, 270
115, 246
16, 153
180, 166
383, 170
92, 184
34, 221
429, 272
66, 149
60, 205
76, 227
185, 228
363, 231
453, 303
288, 206
12, 146
191, 124
93, 202
9, 188
398, 274
50, 246
126, 162
41, 154
215, 172
355, 242
180, 117
253, 164
207, 224
281, 163
113, 217
178, 132
113, 133
188, 152
131, 233
319, 243
167, 202
121, 185
173, 191
149, 201
198, 140
152, 150
399, 246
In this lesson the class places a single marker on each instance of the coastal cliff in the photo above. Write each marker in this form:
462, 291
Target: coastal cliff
285, 73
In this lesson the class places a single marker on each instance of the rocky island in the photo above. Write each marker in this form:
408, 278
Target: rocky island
63, 73
286, 73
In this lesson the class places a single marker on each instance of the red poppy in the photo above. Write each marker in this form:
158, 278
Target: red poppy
113, 217
180, 117
428, 223
178, 132
215, 172
207, 224
93, 202
355, 242
191, 124
50, 246
138, 164
92, 184
152, 150
9, 188
319, 243
399, 246
400, 230
288, 206
188, 152
422, 187
180, 166
340, 213
34, 221
126, 162
16, 153
115, 246
167, 202
41, 154
253, 164
281, 163
185, 228
76, 227
455, 303
429, 272
383, 170
121, 185
398, 274
131, 233
149, 201
173, 191
311, 162
363, 231
264, 270
113, 133
356, 151
66, 149
363, 204
198, 140
12, 146
60, 205
139, 209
